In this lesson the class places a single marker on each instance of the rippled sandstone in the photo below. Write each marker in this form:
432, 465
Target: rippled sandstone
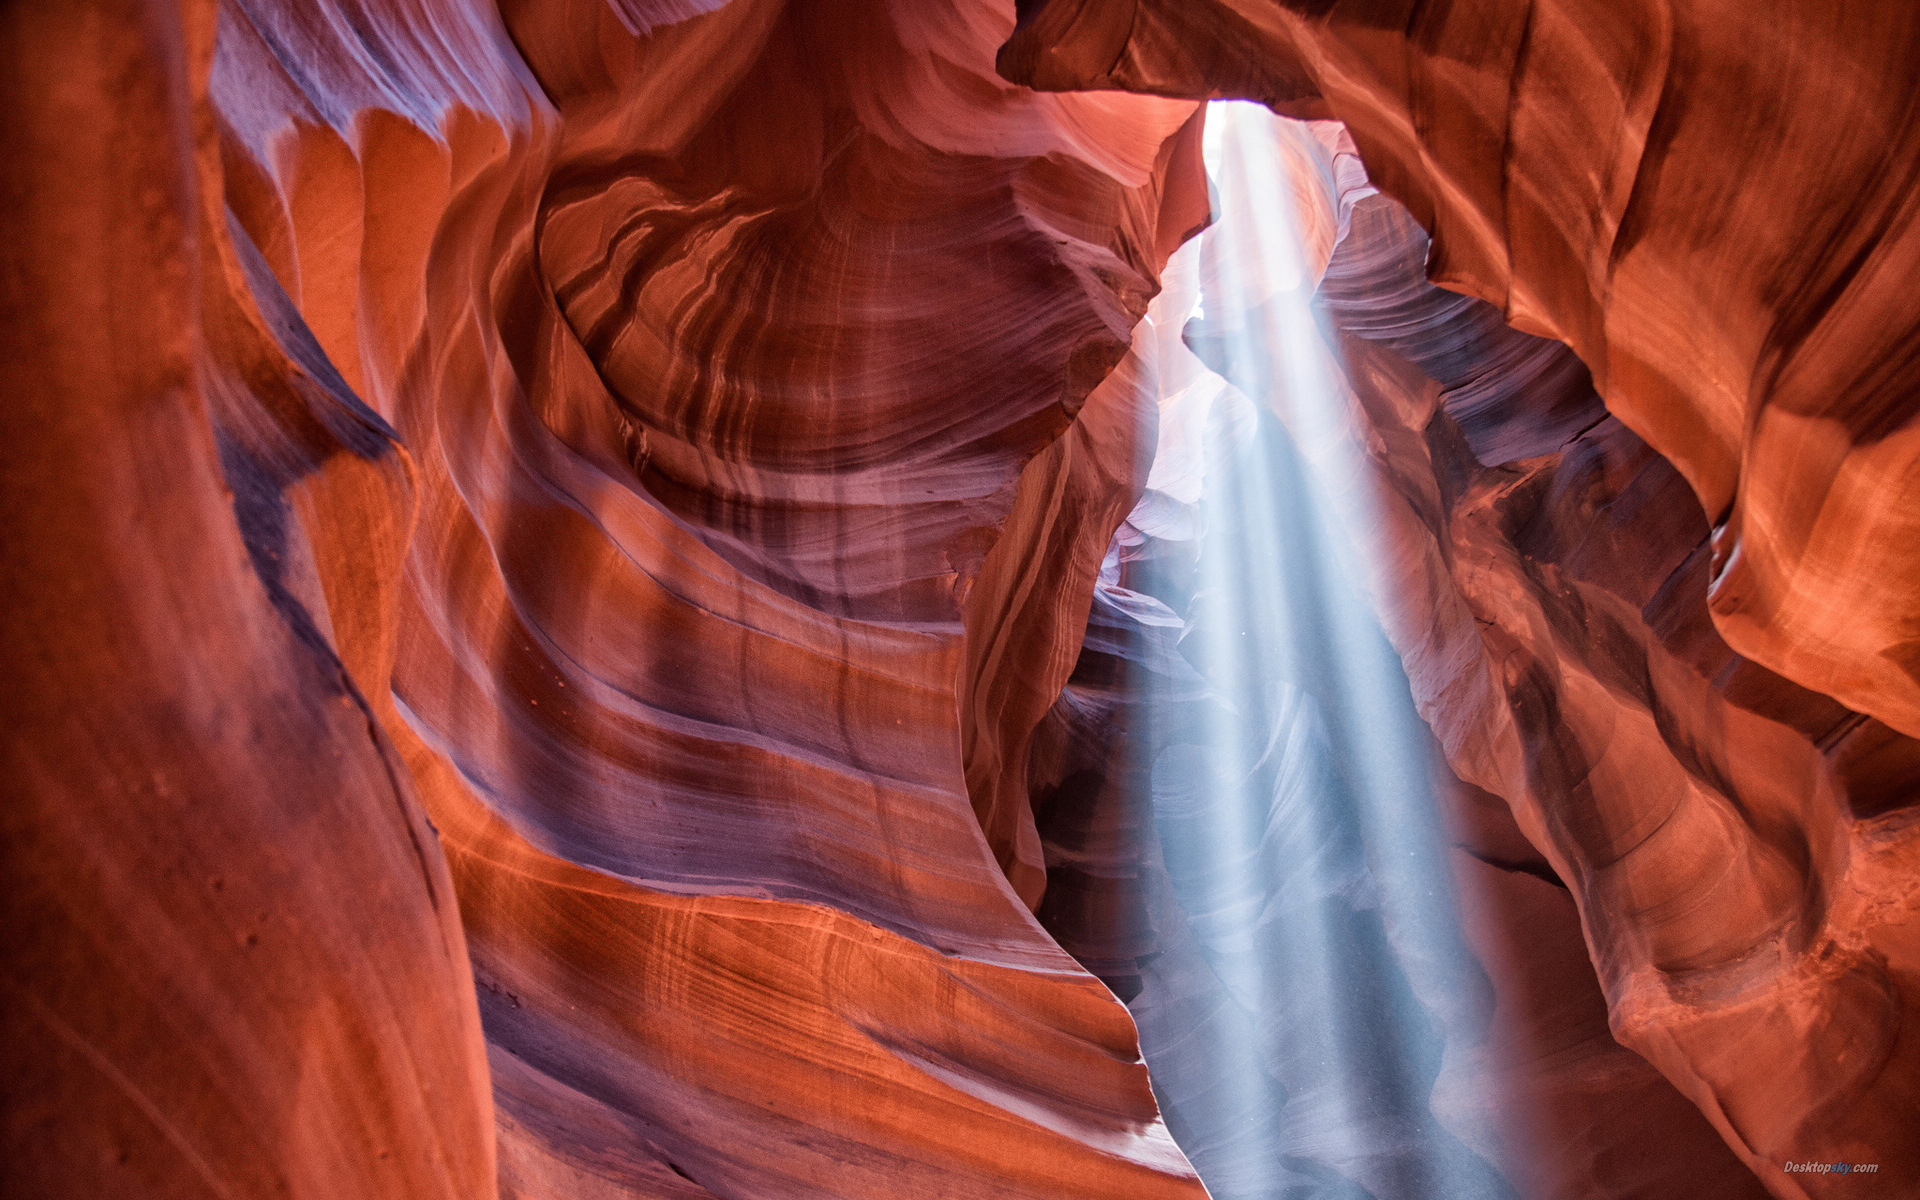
1727, 264
544, 540
1712, 204
659, 448
1739, 847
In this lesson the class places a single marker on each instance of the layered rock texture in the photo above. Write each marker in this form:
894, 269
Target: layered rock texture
548, 560
1738, 314
1514, 524
1662, 187
556, 498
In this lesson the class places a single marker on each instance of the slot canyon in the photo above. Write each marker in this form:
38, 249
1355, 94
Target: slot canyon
871, 599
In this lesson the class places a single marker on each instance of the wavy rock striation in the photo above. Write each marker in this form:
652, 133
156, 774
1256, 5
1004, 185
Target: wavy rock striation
1523, 1089
1735, 844
1735, 841
669, 449
1739, 843
544, 544
1725, 263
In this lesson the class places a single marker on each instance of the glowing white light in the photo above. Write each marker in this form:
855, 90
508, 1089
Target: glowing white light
1293, 805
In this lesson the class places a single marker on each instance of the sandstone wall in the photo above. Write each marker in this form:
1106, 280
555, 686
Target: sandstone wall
584, 433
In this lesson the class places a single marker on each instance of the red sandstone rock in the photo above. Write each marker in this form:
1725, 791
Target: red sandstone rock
1532, 1080
234, 958
1735, 872
1704, 812
1725, 266
672, 444
1725, 262
717, 348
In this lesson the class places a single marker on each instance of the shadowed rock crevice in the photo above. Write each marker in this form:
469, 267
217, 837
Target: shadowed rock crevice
562, 637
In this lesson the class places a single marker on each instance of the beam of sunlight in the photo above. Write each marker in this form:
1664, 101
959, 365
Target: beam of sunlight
1291, 793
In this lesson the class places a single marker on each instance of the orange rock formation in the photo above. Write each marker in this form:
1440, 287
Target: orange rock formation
547, 543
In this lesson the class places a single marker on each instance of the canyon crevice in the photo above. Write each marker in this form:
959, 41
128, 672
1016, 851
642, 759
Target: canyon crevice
602, 599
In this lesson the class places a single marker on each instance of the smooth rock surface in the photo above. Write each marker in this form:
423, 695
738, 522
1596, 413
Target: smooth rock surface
1730, 804
1712, 203
546, 544
591, 427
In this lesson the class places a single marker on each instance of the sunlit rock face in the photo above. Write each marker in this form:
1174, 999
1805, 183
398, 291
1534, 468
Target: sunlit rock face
1711, 204
1732, 844
1479, 987
1726, 263
1736, 841
545, 541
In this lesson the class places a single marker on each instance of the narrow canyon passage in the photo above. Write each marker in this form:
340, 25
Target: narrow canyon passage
854, 599
1288, 781
1331, 945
